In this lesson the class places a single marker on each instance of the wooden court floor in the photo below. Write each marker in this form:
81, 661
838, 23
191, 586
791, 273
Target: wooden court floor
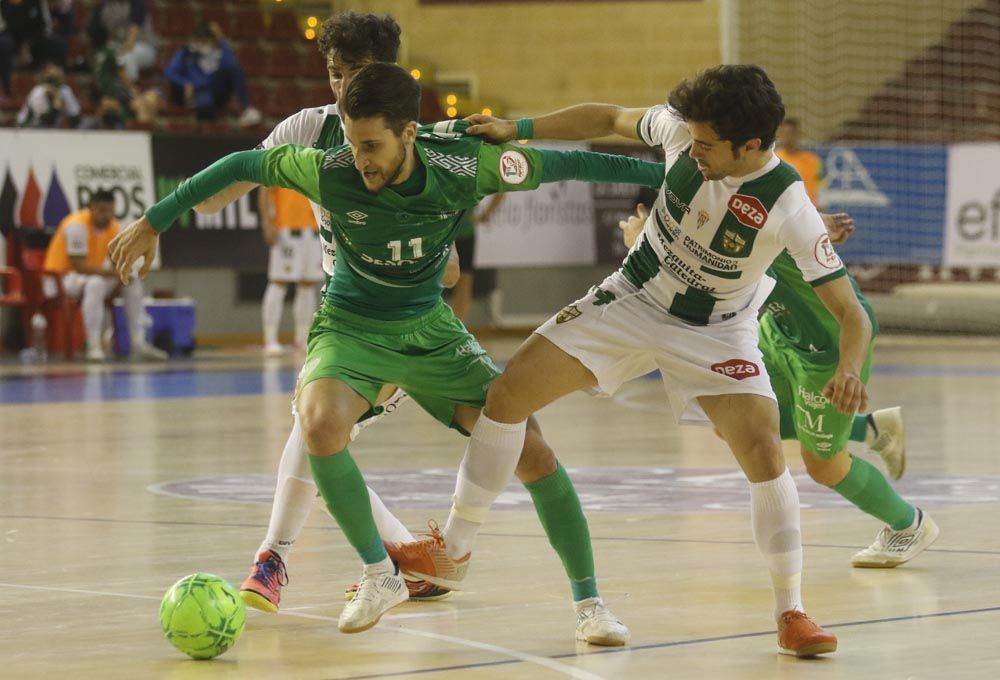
116, 481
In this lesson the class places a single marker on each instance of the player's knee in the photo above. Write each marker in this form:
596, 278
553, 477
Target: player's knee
323, 432
502, 402
760, 455
828, 472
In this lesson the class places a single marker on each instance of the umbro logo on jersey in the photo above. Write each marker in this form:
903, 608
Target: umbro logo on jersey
748, 210
737, 368
357, 217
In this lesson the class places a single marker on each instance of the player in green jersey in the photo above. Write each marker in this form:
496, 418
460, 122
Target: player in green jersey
395, 196
799, 342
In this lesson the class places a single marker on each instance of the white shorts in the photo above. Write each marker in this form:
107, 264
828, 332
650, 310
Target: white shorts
296, 256
630, 336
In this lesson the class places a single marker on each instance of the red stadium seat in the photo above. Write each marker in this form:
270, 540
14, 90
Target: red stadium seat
252, 59
247, 23
284, 25
176, 23
284, 62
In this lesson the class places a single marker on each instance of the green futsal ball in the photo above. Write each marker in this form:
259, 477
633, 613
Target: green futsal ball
202, 615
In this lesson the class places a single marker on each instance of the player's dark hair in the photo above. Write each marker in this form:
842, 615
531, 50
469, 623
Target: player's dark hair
738, 101
357, 37
386, 90
102, 196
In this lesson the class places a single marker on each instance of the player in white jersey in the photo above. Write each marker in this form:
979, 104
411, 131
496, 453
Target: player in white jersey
686, 298
349, 41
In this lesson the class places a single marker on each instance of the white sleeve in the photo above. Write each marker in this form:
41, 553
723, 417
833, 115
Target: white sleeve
662, 126
36, 105
807, 242
69, 99
299, 128
76, 239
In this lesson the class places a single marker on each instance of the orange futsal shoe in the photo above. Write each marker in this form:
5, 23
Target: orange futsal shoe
800, 636
262, 588
428, 559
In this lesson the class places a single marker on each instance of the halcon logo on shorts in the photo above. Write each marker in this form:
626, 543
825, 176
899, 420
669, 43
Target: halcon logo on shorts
748, 210
737, 368
513, 167
813, 399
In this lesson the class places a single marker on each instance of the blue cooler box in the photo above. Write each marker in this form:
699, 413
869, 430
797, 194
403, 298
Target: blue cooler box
173, 325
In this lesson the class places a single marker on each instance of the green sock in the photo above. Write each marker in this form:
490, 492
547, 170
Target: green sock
860, 428
343, 489
865, 486
559, 510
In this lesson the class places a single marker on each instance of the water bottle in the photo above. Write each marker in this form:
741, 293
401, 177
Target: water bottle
39, 341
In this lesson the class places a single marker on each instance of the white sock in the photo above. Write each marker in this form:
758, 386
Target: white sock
774, 511
294, 495
486, 469
304, 306
92, 305
270, 311
135, 312
389, 527
384, 567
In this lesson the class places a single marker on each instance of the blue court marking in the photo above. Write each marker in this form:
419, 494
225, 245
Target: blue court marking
186, 383
123, 385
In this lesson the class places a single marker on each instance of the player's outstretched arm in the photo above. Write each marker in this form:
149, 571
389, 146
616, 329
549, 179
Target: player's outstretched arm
583, 121
845, 390
137, 240
216, 203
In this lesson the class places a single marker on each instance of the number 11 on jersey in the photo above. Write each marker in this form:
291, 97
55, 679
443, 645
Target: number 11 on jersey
396, 247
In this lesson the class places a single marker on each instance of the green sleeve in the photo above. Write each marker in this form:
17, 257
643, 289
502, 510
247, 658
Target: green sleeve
511, 167
288, 165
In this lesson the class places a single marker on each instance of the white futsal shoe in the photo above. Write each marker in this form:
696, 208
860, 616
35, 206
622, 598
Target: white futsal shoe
892, 548
890, 439
378, 592
596, 625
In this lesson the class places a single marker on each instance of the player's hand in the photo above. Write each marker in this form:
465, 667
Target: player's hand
839, 226
452, 270
632, 227
496, 130
137, 240
846, 392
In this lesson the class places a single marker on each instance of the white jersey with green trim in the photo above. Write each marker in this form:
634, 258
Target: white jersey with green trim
707, 245
318, 127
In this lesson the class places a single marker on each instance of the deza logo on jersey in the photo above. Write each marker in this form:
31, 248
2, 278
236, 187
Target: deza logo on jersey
748, 210
737, 368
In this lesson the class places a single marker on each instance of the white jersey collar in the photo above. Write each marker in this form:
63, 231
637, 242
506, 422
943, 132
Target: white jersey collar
771, 164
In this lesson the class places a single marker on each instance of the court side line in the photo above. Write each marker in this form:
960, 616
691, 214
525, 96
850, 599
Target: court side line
517, 656
636, 539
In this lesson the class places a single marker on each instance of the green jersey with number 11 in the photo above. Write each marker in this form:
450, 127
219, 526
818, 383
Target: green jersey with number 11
392, 248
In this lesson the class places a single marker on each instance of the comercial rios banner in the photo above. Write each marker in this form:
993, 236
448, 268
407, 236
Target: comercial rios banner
47, 174
972, 225
231, 238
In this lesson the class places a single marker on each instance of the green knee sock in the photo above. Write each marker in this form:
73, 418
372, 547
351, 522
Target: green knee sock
865, 486
859, 429
559, 510
345, 494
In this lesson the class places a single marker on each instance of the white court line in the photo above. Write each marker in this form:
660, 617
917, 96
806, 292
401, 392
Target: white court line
551, 664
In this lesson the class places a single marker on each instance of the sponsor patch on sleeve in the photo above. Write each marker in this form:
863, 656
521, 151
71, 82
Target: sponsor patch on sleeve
513, 167
825, 253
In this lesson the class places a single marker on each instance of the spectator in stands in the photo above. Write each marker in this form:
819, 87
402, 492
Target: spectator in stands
108, 116
110, 83
126, 26
204, 74
51, 103
78, 255
806, 163
26, 38
63, 18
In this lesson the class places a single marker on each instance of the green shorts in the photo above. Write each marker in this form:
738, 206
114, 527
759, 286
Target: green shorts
432, 357
798, 379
